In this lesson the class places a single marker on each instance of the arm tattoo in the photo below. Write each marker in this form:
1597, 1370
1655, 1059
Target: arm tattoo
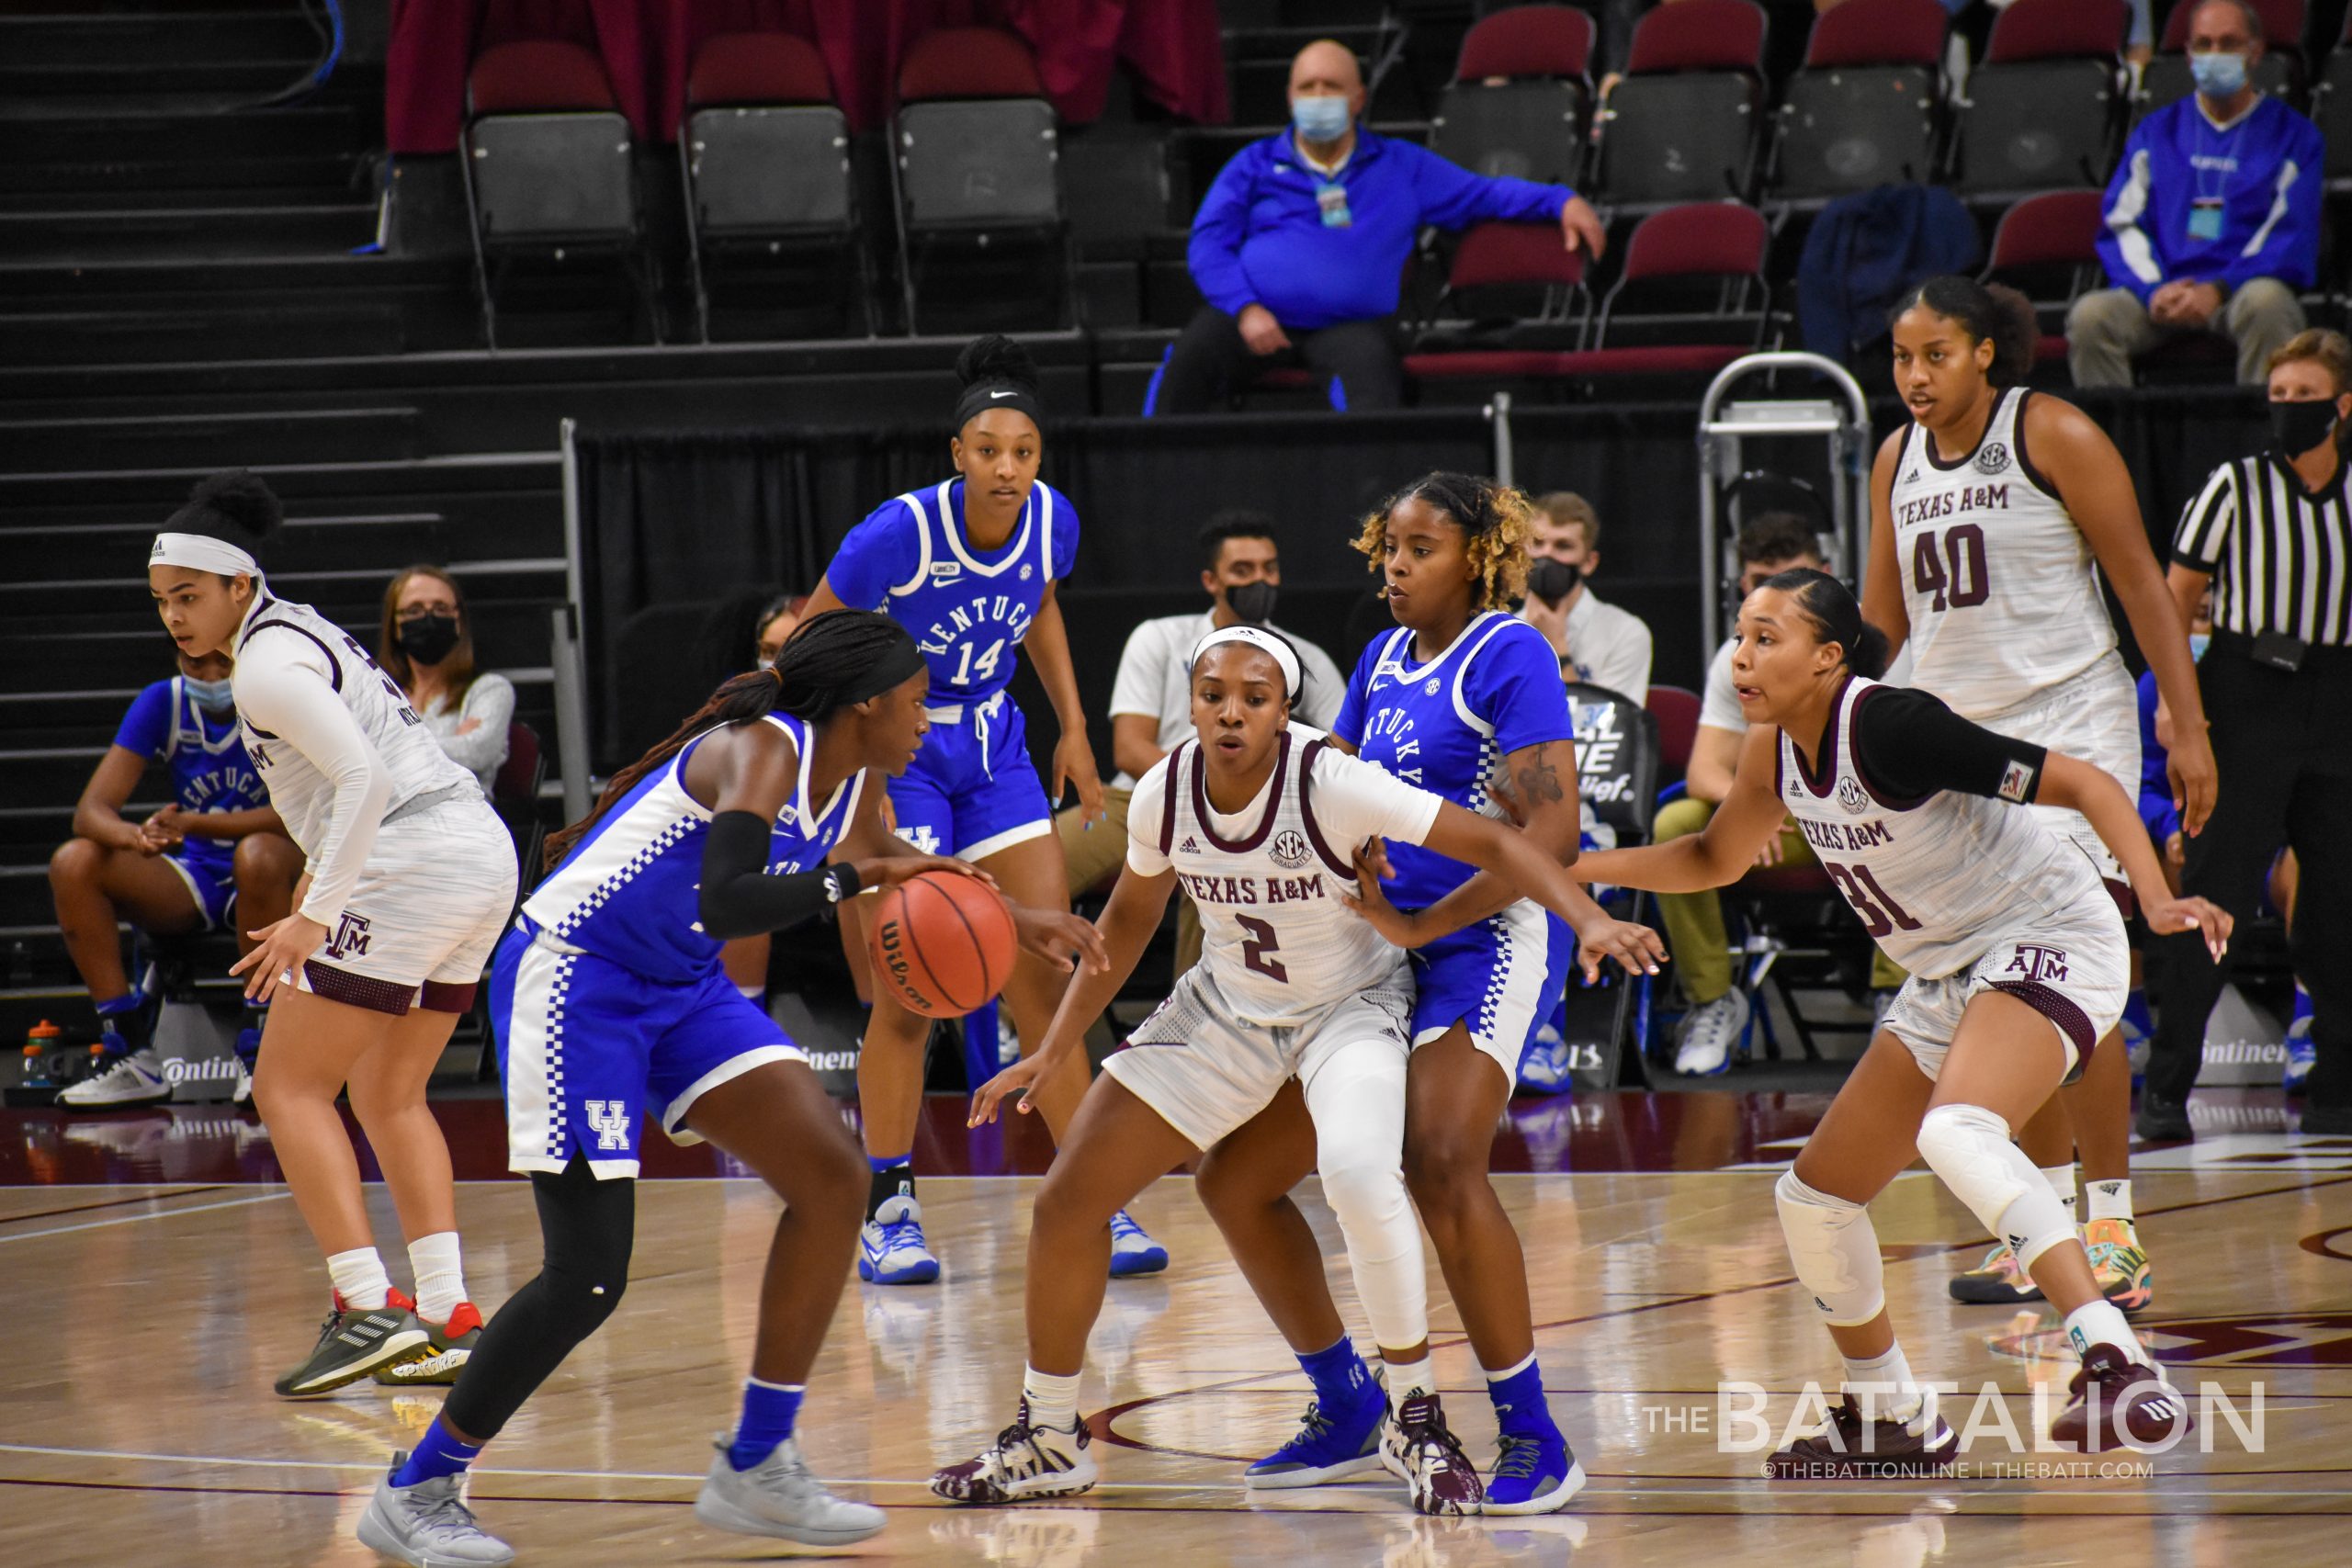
1539, 780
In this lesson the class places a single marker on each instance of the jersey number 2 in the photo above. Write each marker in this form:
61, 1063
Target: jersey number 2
1257, 951
1965, 584
1881, 914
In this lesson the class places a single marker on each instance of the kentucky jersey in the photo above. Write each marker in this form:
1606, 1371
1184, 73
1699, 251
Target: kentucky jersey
966, 608
629, 890
205, 753
1999, 582
1937, 879
1282, 947
1446, 725
285, 633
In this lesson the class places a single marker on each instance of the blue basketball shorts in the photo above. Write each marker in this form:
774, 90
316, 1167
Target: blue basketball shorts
1503, 978
590, 1050
210, 879
972, 790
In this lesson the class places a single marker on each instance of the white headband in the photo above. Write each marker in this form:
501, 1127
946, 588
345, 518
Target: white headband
1260, 639
203, 552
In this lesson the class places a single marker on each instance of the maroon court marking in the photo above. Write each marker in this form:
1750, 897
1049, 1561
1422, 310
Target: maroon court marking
112, 1203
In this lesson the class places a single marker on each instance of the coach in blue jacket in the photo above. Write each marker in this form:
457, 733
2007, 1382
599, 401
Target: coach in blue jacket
1300, 246
2212, 219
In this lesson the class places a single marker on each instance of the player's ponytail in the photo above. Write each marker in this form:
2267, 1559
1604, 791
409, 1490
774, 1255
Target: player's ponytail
236, 507
1994, 314
1496, 522
996, 373
1835, 617
829, 661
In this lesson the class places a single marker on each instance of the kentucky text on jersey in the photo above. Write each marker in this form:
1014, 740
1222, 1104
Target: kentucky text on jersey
1008, 615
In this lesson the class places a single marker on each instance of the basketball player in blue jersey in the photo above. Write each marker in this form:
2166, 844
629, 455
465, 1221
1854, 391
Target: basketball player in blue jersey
1461, 698
611, 1004
969, 566
216, 851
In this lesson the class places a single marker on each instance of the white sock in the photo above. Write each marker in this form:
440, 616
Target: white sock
440, 1278
1407, 1378
2111, 1199
359, 1278
1053, 1401
2102, 1322
1894, 1395
2062, 1182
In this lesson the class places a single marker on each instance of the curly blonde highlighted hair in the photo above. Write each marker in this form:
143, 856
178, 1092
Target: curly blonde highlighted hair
1496, 522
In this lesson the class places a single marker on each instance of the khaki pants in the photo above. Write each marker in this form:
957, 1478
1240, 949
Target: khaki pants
1694, 921
2109, 328
1094, 853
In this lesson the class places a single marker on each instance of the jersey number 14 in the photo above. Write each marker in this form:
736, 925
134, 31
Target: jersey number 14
965, 674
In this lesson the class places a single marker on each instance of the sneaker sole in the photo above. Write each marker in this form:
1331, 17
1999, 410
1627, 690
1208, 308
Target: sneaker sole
1130, 1269
378, 1537
1283, 1479
438, 1368
1549, 1502
920, 1274
397, 1343
117, 1102
721, 1514
1991, 1292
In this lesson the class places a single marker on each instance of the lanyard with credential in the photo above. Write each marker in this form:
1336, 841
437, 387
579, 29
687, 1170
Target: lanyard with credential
1331, 195
2205, 208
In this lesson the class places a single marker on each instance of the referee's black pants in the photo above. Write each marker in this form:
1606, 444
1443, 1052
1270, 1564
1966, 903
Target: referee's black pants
2282, 746
1211, 361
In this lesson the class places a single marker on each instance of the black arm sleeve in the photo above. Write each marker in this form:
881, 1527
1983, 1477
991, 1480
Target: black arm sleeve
738, 896
1907, 746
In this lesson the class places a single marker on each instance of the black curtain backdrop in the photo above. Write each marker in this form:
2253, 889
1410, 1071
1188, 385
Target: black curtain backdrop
680, 528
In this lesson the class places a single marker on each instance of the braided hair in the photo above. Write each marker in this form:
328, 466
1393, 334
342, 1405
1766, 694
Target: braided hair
829, 661
1496, 522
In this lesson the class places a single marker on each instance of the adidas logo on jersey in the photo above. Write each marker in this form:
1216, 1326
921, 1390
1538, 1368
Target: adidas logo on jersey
1190, 846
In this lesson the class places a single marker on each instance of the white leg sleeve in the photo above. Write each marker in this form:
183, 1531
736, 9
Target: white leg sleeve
1968, 1147
1835, 1250
1357, 1100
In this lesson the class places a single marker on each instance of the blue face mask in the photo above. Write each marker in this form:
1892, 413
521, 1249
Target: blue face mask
2218, 75
1323, 118
213, 696
2197, 643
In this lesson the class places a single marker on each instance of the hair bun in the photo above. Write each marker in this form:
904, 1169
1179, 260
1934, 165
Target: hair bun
996, 359
241, 499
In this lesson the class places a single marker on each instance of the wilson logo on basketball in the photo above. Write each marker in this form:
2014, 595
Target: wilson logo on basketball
890, 940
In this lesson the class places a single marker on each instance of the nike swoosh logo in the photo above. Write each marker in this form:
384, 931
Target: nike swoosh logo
1004, 394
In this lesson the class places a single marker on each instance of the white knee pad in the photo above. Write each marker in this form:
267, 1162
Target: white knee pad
1385, 1254
1835, 1250
1968, 1147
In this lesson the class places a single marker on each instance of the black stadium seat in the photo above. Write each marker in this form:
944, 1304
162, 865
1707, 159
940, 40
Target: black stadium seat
1682, 124
1517, 102
1863, 110
2041, 112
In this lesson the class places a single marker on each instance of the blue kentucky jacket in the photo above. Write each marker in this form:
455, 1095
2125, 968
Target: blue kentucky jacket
2252, 192
1315, 249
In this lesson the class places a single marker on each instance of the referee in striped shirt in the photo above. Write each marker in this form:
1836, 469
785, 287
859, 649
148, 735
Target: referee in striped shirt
2272, 535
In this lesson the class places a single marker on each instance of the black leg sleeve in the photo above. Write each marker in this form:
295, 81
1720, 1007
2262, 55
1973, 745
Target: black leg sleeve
588, 1227
1208, 358
1363, 355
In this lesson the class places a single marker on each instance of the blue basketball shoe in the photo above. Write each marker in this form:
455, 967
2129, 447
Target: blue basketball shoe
1132, 1251
890, 1248
1331, 1446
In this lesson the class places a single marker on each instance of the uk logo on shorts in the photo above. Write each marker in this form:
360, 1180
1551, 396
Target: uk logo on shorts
610, 1119
2037, 962
350, 939
1290, 851
923, 836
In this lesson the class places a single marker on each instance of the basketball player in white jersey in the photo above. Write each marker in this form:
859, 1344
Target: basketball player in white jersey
1262, 822
408, 879
2017, 969
1995, 511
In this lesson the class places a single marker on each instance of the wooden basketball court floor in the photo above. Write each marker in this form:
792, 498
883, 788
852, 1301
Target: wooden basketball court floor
146, 1319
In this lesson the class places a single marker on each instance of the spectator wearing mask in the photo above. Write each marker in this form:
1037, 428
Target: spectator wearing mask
428, 646
2271, 536
2212, 216
1597, 643
1301, 243
1151, 699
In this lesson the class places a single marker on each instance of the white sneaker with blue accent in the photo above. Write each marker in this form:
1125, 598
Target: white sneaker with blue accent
1132, 1251
136, 1079
1543, 1070
428, 1525
1710, 1033
890, 1248
779, 1497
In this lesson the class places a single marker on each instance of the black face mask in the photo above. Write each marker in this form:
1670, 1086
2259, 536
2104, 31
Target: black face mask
2296, 428
1553, 580
428, 639
1253, 603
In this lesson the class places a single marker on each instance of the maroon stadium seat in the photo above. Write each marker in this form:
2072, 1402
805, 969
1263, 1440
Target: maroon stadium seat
969, 62
1878, 33
2045, 236
757, 68
1675, 709
537, 76
1505, 256
1699, 34
2058, 30
1526, 41
2282, 25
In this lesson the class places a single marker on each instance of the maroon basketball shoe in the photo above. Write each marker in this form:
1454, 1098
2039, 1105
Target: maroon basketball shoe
2114, 1401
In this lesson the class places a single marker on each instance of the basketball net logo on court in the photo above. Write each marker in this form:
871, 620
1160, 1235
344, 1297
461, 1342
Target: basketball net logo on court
350, 939
609, 1118
1290, 851
2037, 962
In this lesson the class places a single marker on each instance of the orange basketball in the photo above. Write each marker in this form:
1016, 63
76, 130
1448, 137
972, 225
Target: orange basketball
943, 943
